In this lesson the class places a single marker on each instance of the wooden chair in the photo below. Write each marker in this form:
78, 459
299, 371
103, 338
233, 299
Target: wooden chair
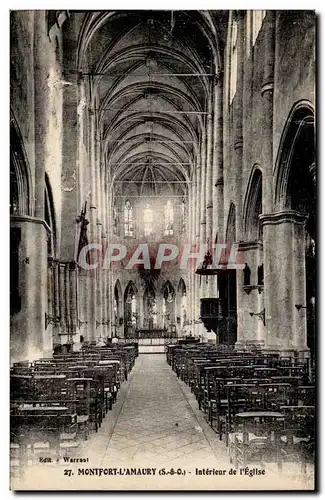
298, 437
256, 438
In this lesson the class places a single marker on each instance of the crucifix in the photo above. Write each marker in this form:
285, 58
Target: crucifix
83, 221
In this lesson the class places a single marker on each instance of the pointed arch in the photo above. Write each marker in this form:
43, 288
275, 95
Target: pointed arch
118, 301
300, 119
150, 306
295, 189
128, 219
130, 288
169, 218
20, 178
118, 291
181, 287
253, 204
150, 289
167, 288
231, 224
130, 307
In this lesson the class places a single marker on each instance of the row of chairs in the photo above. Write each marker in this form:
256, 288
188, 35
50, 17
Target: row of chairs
56, 402
262, 405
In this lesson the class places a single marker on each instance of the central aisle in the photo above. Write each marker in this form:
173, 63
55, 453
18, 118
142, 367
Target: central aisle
156, 424
153, 424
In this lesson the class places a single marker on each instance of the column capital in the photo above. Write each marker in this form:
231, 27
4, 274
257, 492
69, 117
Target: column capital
250, 245
18, 219
292, 216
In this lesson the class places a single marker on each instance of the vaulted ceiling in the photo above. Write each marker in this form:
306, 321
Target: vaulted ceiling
150, 73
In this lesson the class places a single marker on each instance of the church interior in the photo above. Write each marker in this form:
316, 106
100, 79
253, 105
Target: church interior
146, 147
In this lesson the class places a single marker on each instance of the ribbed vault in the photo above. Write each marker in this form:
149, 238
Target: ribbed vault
149, 74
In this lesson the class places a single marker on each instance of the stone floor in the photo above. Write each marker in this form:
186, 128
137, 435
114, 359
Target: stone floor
156, 423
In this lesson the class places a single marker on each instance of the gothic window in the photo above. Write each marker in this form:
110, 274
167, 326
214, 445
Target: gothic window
114, 219
131, 306
19, 190
128, 219
14, 191
258, 17
233, 60
150, 307
134, 310
183, 216
169, 218
148, 218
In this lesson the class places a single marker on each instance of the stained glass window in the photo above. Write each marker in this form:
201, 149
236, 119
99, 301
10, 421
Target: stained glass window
169, 218
128, 219
148, 218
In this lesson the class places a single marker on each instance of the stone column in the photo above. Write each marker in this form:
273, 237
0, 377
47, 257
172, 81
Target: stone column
55, 302
27, 325
140, 309
63, 331
267, 111
237, 153
41, 107
209, 193
218, 202
197, 229
203, 233
159, 302
83, 190
101, 314
237, 164
203, 189
73, 286
284, 281
209, 177
92, 292
251, 298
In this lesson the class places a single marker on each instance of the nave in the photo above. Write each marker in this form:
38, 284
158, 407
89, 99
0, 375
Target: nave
162, 193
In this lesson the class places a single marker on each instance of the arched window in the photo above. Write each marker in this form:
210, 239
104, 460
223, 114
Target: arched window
233, 60
181, 292
168, 303
257, 21
253, 206
114, 219
149, 307
169, 218
130, 307
117, 303
19, 186
128, 219
148, 218
183, 216
231, 225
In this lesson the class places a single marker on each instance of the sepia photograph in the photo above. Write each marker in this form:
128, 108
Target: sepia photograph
162, 250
